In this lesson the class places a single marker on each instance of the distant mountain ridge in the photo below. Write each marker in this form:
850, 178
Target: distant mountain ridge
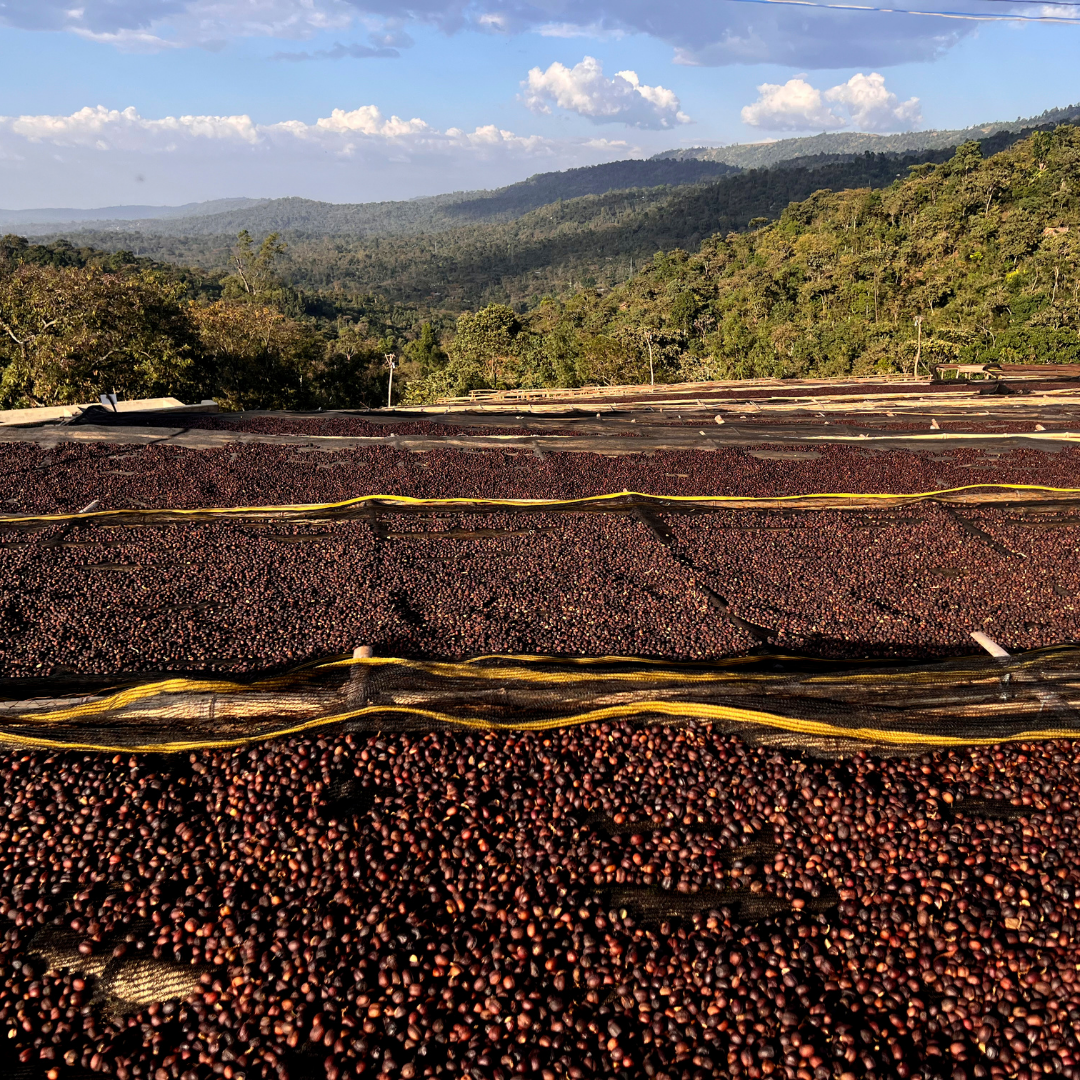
71, 215
841, 144
597, 238
227, 216
437, 213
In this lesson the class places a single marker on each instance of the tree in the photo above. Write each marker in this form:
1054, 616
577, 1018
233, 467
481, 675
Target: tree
261, 358
483, 347
609, 362
426, 351
67, 334
255, 268
351, 375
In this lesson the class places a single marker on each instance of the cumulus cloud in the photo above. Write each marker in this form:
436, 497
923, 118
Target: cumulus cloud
106, 129
872, 107
100, 156
700, 31
587, 91
862, 102
791, 106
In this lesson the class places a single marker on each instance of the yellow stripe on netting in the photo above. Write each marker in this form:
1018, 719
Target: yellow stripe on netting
132, 695
469, 669
407, 500
672, 710
524, 675
1018, 663
283, 683
727, 661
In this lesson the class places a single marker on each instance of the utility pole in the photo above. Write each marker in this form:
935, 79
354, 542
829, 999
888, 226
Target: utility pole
648, 341
391, 363
918, 347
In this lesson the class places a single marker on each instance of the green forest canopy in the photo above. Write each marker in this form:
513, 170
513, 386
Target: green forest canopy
547, 251
984, 250
75, 322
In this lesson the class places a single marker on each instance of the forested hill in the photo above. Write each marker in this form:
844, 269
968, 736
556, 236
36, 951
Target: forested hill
985, 251
68, 215
546, 188
763, 155
593, 240
226, 217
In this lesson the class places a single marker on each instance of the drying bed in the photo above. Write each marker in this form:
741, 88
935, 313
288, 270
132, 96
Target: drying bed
70, 475
617, 898
607, 900
912, 581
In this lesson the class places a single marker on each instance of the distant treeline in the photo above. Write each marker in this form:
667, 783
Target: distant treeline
763, 155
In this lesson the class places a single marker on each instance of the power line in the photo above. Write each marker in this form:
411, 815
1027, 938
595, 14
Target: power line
1038, 3
969, 16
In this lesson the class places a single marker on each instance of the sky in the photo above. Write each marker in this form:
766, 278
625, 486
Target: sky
165, 102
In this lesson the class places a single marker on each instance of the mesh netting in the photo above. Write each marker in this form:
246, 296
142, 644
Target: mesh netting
784, 701
363, 506
121, 982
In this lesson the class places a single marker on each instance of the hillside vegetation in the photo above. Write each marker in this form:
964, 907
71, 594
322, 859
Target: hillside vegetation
985, 250
75, 322
226, 217
499, 247
594, 240
849, 143
982, 249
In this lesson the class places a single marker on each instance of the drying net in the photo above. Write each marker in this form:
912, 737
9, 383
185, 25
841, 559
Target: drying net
121, 983
363, 506
777, 700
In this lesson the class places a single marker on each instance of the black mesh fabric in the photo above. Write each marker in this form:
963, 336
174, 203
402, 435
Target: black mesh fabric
784, 701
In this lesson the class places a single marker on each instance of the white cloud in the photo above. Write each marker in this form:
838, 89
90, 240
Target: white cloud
700, 31
127, 40
863, 101
100, 156
791, 106
125, 129
574, 30
149, 25
367, 120
872, 107
586, 90
343, 52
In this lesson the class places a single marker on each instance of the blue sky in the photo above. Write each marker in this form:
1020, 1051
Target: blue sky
246, 97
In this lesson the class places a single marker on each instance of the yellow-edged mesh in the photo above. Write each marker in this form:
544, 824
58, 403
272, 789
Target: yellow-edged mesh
777, 700
362, 505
